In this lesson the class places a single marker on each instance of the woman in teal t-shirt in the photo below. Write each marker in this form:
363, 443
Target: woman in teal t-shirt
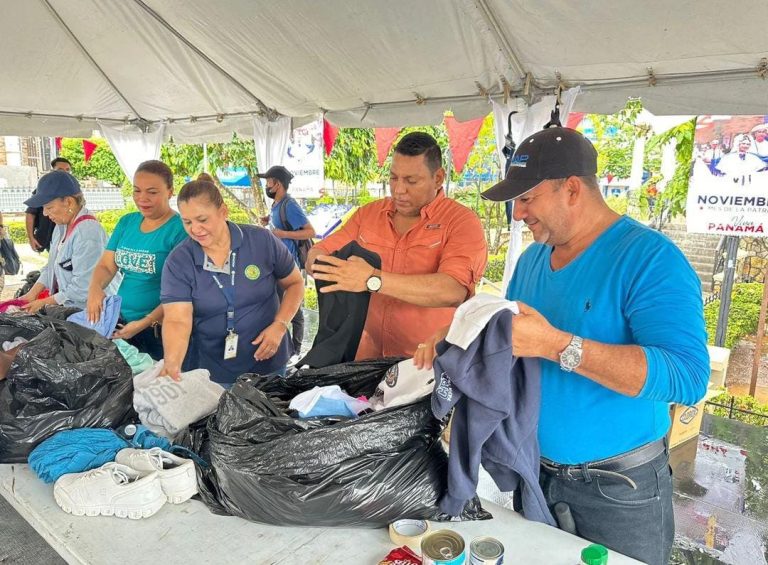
137, 249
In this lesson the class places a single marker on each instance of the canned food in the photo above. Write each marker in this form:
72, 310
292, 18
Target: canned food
443, 547
486, 551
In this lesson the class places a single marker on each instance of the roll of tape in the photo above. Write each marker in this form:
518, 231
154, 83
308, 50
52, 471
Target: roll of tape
409, 533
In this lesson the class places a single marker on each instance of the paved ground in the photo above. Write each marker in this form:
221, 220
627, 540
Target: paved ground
20, 544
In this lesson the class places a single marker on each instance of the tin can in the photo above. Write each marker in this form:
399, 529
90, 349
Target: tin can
443, 547
486, 551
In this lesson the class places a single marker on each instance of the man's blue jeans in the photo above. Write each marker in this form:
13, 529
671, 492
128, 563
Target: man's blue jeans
636, 522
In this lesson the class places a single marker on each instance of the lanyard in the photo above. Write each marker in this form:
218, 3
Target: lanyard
229, 293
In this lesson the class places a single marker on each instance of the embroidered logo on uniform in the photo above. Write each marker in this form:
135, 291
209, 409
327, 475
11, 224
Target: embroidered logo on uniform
432, 227
587, 305
519, 161
391, 377
252, 272
444, 389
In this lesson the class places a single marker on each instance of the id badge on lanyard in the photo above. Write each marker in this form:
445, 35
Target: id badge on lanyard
230, 340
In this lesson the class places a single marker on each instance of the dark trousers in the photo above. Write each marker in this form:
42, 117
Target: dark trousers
149, 341
636, 522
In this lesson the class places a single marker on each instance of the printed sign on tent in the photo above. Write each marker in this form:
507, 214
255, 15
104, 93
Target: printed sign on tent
305, 160
728, 192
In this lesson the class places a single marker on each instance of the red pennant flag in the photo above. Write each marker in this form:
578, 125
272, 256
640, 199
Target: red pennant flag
88, 148
330, 133
57, 140
574, 119
384, 139
461, 139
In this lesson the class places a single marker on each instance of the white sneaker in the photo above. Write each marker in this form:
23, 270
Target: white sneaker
110, 490
177, 475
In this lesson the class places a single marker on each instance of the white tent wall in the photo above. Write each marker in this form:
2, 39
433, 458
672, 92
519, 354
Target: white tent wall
207, 68
132, 146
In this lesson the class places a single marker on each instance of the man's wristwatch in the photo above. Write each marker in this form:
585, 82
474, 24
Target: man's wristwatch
373, 284
570, 357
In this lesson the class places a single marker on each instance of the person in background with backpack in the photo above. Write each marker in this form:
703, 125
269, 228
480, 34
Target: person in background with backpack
291, 225
76, 245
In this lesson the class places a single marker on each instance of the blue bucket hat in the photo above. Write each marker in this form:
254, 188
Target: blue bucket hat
56, 184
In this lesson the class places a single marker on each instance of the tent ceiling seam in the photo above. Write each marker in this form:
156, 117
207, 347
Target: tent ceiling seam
501, 39
85, 52
269, 112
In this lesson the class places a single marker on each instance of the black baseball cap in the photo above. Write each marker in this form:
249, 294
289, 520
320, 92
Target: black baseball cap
280, 173
552, 153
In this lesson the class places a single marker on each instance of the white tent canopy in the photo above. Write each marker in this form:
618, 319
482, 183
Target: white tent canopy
204, 69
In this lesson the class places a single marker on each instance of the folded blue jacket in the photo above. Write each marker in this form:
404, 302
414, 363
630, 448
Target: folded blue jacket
109, 315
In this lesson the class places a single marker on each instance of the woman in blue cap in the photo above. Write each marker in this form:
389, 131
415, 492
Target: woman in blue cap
76, 245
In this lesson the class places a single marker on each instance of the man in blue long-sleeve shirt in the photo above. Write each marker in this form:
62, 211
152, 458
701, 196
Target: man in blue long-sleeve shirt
614, 312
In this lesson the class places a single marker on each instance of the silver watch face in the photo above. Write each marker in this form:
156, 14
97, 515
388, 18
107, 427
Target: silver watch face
373, 283
570, 358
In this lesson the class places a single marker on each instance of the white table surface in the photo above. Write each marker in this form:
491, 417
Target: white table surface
189, 534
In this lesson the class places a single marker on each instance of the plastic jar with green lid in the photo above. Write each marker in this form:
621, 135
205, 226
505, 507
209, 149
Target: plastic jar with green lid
594, 554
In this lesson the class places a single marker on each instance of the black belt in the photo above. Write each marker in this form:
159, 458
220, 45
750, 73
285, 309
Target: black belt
610, 467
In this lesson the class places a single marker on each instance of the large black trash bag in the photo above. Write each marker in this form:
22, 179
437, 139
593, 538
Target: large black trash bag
269, 467
65, 377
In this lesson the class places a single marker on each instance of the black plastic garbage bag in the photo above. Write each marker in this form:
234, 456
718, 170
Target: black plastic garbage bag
269, 467
66, 376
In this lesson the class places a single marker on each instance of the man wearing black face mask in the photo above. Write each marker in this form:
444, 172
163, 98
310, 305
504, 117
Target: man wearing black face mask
291, 225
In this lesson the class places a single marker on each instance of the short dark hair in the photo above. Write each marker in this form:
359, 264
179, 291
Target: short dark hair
60, 160
420, 143
158, 168
201, 188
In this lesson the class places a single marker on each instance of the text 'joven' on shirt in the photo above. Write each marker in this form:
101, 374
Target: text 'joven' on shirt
447, 239
140, 256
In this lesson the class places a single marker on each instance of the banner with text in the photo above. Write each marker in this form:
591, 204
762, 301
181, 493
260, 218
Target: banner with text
728, 191
305, 160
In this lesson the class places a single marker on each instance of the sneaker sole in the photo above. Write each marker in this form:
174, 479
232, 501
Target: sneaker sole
119, 511
179, 496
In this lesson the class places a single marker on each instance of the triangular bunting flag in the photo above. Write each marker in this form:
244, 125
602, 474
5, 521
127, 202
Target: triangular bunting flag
330, 133
461, 138
574, 119
57, 140
384, 139
88, 148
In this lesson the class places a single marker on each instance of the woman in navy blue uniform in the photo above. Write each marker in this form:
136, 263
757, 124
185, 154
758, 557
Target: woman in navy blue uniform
220, 293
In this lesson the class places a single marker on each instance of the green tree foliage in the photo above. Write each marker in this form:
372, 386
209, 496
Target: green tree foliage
615, 136
102, 166
672, 200
187, 161
353, 159
742, 317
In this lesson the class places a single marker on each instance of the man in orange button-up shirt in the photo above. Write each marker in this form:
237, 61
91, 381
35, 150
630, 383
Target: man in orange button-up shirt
433, 253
